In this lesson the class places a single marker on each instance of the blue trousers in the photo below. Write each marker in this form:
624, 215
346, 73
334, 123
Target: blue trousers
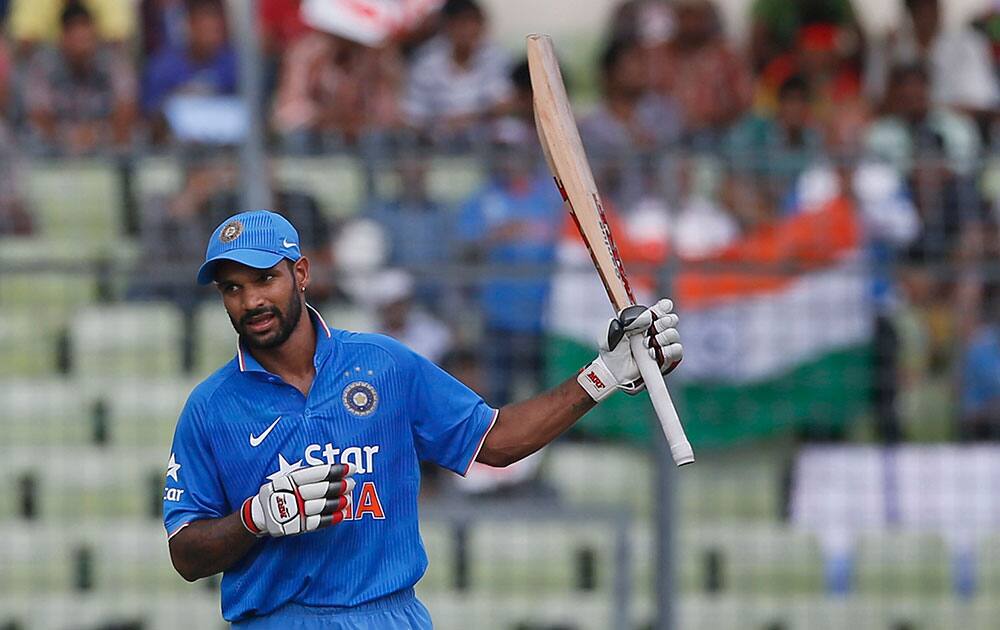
399, 611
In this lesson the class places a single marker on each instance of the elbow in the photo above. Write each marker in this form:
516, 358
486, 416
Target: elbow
496, 459
186, 571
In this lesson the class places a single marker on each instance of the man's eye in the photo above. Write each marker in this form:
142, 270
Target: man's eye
268, 277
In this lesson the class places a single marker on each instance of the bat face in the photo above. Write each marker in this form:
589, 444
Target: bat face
564, 153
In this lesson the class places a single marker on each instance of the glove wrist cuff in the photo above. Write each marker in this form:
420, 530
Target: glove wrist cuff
246, 517
597, 380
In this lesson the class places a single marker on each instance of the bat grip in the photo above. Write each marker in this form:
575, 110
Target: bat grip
680, 448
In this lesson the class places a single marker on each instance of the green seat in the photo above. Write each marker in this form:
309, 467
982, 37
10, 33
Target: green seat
855, 612
158, 176
988, 566
76, 199
79, 483
144, 412
626, 474
750, 557
50, 290
29, 342
45, 412
439, 542
536, 557
195, 607
487, 611
215, 339
337, 182
450, 179
143, 339
901, 562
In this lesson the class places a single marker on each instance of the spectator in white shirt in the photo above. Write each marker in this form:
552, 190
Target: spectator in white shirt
961, 67
459, 79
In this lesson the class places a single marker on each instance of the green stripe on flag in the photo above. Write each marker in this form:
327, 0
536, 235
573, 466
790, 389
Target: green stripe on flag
828, 392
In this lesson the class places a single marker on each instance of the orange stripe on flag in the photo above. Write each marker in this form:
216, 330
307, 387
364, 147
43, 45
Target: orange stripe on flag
806, 242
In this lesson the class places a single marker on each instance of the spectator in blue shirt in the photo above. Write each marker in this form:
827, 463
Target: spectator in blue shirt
981, 374
206, 66
512, 225
419, 229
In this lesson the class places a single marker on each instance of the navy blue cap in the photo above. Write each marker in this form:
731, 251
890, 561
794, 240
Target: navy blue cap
258, 239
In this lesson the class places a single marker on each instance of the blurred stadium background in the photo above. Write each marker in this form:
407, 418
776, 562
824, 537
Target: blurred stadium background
815, 182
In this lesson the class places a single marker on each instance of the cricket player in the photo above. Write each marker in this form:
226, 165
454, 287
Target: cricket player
294, 469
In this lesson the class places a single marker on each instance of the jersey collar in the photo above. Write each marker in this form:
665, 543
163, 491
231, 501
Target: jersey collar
247, 363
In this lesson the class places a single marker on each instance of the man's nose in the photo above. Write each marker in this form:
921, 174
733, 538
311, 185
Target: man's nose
253, 298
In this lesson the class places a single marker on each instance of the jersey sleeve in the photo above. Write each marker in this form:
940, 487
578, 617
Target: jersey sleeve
451, 420
192, 489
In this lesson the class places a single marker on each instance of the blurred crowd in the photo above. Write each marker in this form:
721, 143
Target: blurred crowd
691, 132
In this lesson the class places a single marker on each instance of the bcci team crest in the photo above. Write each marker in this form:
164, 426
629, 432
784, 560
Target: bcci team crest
231, 231
360, 398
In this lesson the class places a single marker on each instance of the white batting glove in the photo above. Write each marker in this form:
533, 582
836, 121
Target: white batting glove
615, 369
299, 502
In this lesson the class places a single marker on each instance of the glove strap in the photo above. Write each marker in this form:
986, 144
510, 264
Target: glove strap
597, 380
246, 516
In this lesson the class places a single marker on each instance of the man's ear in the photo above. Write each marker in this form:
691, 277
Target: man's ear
300, 269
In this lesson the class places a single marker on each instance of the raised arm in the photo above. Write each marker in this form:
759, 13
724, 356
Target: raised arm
524, 427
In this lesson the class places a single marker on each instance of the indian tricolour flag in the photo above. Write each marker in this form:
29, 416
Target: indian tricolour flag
776, 327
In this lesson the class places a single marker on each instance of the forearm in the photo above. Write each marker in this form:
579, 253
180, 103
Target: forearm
210, 546
525, 427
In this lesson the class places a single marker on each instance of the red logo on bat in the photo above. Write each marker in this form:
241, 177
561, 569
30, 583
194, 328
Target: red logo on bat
592, 377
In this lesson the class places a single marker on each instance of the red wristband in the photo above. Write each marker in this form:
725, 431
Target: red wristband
246, 515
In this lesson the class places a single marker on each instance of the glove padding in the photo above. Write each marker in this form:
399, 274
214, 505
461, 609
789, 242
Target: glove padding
299, 502
615, 369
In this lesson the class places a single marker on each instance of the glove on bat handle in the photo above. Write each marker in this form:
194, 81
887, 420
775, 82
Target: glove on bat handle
680, 448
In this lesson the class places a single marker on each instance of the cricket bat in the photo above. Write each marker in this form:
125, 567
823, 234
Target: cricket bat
563, 150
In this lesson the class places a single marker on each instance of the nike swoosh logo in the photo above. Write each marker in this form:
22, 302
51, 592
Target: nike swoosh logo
287, 245
255, 441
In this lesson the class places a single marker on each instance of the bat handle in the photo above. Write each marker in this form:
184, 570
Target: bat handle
680, 448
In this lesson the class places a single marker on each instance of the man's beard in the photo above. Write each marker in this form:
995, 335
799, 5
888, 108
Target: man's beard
286, 325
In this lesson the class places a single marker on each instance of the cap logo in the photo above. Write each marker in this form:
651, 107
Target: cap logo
231, 231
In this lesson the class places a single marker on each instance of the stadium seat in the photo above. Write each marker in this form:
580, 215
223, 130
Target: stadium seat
747, 558
337, 182
157, 176
531, 557
196, 608
835, 613
80, 483
439, 543
51, 290
215, 339
892, 563
45, 412
741, 485
453, 179
126, 340
29, 342
143, 413
77, 199
988, 566
457, 611
626, 474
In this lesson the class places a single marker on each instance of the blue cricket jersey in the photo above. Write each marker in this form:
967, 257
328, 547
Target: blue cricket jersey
373, 403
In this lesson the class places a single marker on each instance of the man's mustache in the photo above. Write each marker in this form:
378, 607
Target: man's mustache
271, 310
